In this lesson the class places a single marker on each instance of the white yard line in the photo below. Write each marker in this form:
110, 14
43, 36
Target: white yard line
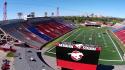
50, 49
64, 40
97, 36
96, 33
99, 59
104, 40
108, 60
83, 37
51, 52
69, 36
115, 46
90, 41
78, 35
90, 38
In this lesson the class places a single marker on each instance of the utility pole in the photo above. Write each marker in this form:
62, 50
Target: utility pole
57, 12
5, 10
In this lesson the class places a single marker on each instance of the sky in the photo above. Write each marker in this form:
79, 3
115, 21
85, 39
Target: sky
113, 8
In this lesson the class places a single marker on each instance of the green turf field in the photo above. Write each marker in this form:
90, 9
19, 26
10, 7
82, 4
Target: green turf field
111, 53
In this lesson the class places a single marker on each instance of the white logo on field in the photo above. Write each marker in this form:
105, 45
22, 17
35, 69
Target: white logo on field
76, 55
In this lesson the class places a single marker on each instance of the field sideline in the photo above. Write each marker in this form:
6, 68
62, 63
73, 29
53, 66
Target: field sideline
110, 54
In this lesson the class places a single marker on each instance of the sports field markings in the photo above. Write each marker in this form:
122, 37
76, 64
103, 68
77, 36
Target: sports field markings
98, 36
70, 35
105, 44
99, 59
90, 38
95, 37
51, 52
83, 41
113, 50
115, 46
108, 60
66, 39
78, 35
93, 41
84, 37
63, 41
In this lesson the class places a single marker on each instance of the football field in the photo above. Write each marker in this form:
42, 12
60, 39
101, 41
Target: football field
111, 53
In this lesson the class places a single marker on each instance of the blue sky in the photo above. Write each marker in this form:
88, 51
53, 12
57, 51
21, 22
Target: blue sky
67, 7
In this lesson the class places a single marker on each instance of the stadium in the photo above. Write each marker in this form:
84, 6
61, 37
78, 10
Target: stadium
44, 32
61, 42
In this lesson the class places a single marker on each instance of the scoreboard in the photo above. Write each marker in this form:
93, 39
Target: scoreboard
77, 56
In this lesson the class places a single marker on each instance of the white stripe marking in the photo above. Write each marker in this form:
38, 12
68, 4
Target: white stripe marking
108, 60
115, 46
64, 40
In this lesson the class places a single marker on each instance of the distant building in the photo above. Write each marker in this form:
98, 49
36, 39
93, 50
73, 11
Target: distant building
90, 23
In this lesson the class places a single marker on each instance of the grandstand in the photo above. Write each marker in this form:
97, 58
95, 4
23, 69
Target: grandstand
119, 32
37, 31
118, 26
44, 32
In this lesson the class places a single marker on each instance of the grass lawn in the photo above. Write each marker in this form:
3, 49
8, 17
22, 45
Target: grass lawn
10, 54
110, 53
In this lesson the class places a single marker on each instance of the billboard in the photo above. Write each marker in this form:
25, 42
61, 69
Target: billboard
77, 56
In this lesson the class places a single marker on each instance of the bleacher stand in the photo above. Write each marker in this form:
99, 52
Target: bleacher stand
119, 31
37, 31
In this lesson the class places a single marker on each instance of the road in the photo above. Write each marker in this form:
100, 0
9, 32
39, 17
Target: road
22, 60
